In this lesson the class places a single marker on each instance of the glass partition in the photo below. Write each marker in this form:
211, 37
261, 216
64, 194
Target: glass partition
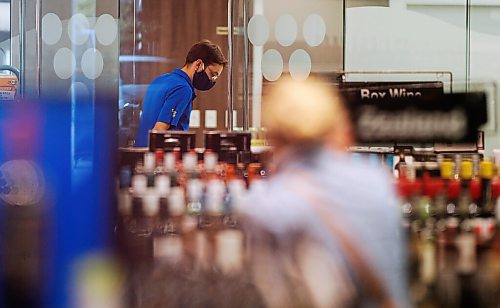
484, 33
414, 36
155, 38
274, 38
407, 35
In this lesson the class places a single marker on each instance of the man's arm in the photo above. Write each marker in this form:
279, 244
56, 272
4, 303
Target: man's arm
161, 126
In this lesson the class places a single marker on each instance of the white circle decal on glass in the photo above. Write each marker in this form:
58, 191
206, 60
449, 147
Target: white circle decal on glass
64, 63
314, 30
258, 30
79, 90
106, 29
272, 65
92, 63
51, 28
299, 65
78, 29
286, 30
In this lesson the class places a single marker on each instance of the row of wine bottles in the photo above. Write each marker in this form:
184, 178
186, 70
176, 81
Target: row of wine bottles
186, 207
451, 213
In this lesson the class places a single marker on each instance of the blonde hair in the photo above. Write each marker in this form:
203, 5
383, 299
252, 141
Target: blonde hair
303, 112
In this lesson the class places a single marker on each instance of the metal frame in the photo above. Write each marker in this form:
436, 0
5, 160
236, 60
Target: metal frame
230, 31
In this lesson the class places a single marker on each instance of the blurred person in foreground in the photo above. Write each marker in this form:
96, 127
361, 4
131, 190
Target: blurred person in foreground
324, 230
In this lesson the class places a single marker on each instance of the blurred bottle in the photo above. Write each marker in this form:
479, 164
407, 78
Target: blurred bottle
150, 167
168, 247
457, 158
159, 157
213, 215
465, 206
439, 200
124, 197
229, 239
191, 222
190, 166
467, 264
428, 266
170, 168
486, 175
495, 197
210, 165
476, 162
138, 225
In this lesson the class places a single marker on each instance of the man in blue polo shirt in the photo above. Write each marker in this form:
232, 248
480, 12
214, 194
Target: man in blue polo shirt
168, 101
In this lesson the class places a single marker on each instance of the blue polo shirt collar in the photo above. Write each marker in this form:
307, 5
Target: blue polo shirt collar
181, 73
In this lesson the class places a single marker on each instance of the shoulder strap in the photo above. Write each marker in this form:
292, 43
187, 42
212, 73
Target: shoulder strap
370, 281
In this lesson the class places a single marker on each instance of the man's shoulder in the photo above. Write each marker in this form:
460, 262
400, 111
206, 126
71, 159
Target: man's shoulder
170, 82
171, 77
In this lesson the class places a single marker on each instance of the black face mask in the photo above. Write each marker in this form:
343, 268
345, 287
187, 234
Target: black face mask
202, 82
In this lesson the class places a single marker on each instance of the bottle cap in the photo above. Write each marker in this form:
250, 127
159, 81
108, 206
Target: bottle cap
454, 189
189, 161
151, 204
176, 202
475, 189
139, 184
210, 160
466, 170
169, 161
486, 169
149, 161
495, 189
433, 187
416, 187
194, 189
162, 184
447, 169
215, 197
404, 188
159, 154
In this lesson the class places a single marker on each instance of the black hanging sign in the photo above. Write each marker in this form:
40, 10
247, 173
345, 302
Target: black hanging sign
451, 118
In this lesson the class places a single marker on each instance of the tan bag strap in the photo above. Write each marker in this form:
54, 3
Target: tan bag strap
369, 280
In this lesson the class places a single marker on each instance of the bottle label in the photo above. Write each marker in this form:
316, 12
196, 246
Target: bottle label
168, 248
229, 253
151, 204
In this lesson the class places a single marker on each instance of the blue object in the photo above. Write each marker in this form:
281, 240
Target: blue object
168, 99
77, 199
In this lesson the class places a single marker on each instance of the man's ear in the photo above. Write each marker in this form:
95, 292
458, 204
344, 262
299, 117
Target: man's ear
199, 65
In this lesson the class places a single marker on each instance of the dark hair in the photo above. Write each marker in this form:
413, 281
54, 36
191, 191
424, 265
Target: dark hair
207, 51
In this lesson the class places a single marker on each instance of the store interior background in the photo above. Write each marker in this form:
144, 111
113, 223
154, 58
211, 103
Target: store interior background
148, 38
89, 53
